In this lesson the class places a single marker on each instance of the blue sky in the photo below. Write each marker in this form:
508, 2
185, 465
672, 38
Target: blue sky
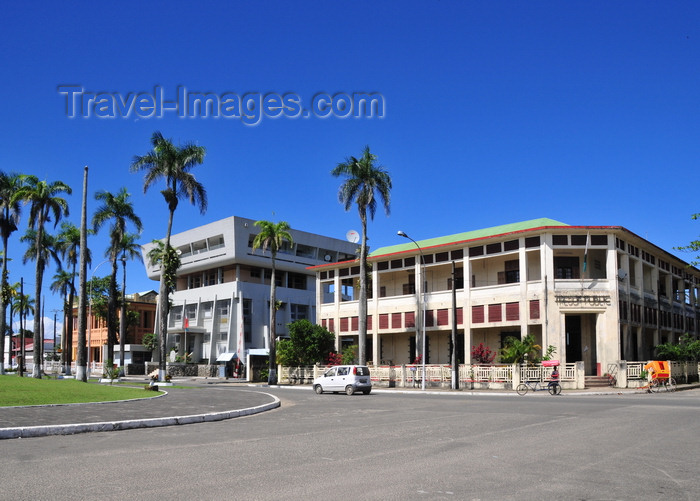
495, 112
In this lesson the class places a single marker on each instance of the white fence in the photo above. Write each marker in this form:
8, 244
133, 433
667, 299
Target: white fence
474, 376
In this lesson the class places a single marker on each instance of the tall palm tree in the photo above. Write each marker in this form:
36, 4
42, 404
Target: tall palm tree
44, 203
172, 164
43, 251
129, 249
24, 305
62, 282
10, 209
365, 181
69, 248
118, 211
272, 236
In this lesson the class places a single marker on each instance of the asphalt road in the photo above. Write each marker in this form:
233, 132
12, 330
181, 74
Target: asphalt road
383, 446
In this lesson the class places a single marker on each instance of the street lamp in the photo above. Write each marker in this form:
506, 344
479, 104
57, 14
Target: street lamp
422, 296
92, 273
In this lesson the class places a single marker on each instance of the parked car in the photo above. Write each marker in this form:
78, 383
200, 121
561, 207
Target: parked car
347, 378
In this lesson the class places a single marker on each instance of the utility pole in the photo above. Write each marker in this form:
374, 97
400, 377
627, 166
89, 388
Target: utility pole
455, 367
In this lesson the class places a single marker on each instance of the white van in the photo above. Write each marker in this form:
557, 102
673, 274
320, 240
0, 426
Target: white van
347, 378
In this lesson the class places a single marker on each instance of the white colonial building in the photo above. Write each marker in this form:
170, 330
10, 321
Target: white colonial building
221, 305
598, 294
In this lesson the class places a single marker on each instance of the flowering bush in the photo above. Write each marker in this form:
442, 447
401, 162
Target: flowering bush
334, 359
483, 354
418, 360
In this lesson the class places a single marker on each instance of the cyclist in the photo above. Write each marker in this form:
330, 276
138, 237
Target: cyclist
554, 386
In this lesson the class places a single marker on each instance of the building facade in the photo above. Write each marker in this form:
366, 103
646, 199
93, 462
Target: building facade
597, 294
144, 304
221, 303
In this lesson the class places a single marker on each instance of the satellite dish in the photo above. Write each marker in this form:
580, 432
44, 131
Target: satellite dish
621, 274
352, 236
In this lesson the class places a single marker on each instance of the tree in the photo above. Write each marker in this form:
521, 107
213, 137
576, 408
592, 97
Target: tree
44, 204
172, 164
24, 305
516, 351
307, 344
365, 181
272, 236
118, 211
693, 246
10, 210
46, 252
69, 248
129, 249
62, 283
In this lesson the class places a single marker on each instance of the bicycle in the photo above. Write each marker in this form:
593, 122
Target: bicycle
553, 387
656, 384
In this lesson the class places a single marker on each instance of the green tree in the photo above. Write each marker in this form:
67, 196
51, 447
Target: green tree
272, 236
172, 164
62, 282
117, 211
24, 305
516, 351
69, 248
128, 249
307, 344
365, 182
45, 205
10, 210
693, 246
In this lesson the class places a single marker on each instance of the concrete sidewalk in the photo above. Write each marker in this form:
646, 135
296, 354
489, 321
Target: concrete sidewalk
201, 403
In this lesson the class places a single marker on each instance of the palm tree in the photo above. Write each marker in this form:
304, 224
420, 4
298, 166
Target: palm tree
272, 236
9, 217
69, 248
24, 305
364, 182
118, 210
62, 283
43, 251
44, 202
129, 249
172, 164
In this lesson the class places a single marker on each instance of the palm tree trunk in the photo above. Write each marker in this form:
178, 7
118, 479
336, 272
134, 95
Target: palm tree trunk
122, 319
164, 305
39, 276
112, 313
3, 307
67, 354
81, 365
362, 321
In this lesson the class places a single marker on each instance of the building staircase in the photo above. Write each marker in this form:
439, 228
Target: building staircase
596, 381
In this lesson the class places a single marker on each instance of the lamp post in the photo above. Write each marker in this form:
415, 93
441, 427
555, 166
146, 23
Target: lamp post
92, 273
422, 296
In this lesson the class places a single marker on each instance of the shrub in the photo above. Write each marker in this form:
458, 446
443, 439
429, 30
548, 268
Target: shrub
483, 354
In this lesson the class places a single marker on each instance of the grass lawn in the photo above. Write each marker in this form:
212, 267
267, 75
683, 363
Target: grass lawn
15, 390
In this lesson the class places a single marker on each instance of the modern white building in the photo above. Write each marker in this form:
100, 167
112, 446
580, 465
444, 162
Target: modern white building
221, 304
598, 294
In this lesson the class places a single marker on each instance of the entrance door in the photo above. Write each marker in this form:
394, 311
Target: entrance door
573, 339
581, 339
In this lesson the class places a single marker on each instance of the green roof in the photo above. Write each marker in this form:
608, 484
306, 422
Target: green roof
503, 229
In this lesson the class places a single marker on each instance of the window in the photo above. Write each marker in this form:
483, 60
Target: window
210, 278
206, 309
560, 239
191, 311
566, 267
296, 281
299, 312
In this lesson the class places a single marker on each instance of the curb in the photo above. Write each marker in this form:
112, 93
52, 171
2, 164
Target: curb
72, 429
